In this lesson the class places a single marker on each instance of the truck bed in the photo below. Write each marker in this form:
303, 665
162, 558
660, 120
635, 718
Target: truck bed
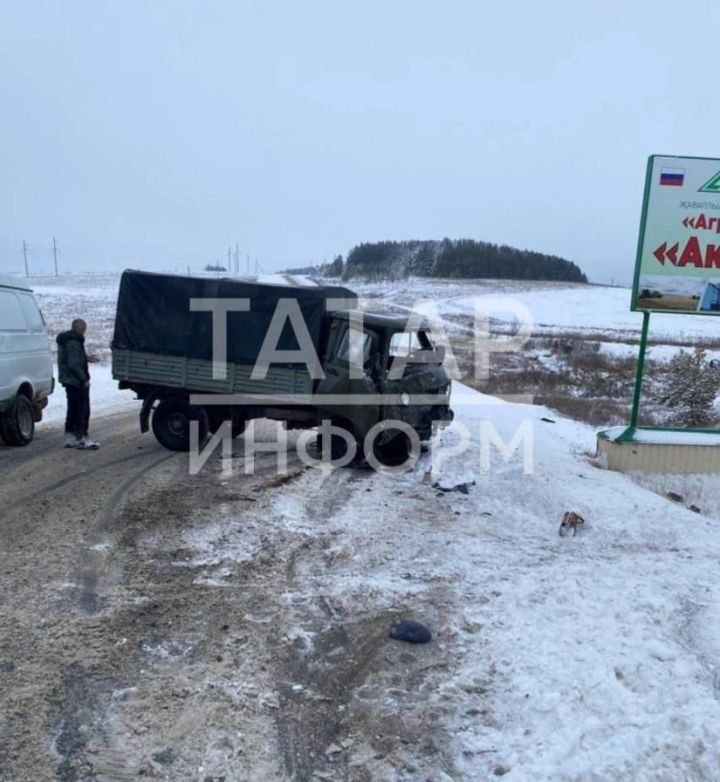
195, 375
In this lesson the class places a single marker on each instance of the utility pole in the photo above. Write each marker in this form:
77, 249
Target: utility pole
27, 272
237, 259
248, 263
55, 255
229, 265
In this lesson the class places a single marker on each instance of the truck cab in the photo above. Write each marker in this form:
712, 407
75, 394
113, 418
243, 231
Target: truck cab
402, 379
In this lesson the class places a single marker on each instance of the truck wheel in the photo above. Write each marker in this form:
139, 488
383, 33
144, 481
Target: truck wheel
394, 452
338, 445
17, 424
171, 423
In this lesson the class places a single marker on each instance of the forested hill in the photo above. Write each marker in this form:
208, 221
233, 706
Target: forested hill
463, 258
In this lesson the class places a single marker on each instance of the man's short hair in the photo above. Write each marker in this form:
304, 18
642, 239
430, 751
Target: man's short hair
78, 322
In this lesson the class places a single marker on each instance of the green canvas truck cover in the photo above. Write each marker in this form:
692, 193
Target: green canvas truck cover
153, 315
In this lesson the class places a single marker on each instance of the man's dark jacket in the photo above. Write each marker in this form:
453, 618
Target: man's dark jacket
72, 360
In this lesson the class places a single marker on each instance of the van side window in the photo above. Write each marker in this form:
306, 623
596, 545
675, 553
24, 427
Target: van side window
32, 313
11, 313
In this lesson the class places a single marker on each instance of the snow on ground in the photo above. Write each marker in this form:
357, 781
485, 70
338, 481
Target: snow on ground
588, 658
654, 352
602, 644
552, 306
105, 397
93, 298
594, 657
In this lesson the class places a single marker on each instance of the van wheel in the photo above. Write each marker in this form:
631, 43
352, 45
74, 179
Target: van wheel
17, 424
171, 423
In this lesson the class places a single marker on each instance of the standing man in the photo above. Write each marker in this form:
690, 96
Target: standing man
73, 373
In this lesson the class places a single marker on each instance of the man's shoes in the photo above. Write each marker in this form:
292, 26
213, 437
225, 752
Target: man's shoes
86, 444
72, 440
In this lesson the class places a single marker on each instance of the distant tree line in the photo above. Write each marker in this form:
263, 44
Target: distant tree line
463, 258
304, 270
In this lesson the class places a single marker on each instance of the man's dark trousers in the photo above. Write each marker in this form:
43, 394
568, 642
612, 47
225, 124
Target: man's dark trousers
77, 420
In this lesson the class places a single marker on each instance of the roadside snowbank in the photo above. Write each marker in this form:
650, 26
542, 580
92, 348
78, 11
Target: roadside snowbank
601, 649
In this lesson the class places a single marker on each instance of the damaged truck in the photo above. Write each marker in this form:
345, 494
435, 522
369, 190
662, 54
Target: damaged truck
211, 350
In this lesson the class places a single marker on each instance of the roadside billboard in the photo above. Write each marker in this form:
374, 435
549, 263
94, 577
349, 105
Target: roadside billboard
678, 259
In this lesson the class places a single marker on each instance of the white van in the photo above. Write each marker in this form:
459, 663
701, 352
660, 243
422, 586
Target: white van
26, 364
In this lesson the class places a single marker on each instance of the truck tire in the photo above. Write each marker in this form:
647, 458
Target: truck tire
171, 423
338, 446
394, 452
17, 423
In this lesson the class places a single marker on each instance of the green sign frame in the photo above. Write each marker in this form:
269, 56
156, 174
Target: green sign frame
697, 258
677, 263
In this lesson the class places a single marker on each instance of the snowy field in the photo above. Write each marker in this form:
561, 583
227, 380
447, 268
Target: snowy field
579, 659
104, 393
552, 307
93, 298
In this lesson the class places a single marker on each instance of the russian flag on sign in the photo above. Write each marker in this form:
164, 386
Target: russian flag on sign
673, 177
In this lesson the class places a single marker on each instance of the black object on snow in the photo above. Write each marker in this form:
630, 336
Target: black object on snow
165, 756
153, 315
463, 488
412, 632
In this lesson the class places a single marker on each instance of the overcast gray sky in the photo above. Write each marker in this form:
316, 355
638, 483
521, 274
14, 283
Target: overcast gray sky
155, 134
